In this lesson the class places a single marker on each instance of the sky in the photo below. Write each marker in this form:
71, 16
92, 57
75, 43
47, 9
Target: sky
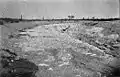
59, 8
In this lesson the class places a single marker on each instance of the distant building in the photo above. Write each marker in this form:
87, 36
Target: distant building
71, 17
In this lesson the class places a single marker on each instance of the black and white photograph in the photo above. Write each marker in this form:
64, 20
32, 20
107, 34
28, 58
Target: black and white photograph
59, 38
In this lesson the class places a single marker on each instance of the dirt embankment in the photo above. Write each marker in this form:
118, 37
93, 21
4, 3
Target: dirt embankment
71, 49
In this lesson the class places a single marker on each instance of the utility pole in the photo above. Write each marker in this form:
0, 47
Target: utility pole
21, 17
119, 8
43, 18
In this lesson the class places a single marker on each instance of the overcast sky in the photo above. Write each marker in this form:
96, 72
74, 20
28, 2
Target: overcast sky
58, 8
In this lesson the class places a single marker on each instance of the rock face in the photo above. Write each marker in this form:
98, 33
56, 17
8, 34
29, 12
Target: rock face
71, 49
